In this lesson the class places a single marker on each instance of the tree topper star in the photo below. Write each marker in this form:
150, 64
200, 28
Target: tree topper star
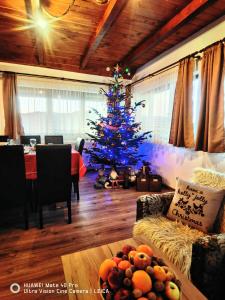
117, 68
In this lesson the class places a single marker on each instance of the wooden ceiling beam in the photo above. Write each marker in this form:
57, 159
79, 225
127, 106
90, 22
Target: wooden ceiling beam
170, 27
112, 11
35, 35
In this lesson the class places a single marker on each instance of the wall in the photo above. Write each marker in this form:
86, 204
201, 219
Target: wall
168, 161
25, 69
171, 162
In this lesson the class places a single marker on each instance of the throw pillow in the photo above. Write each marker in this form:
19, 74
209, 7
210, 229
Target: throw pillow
195, 205
216, 180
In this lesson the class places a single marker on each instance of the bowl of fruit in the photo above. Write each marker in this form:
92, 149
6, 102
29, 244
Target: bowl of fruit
135, 273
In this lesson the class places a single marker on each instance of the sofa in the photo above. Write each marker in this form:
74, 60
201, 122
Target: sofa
200, 256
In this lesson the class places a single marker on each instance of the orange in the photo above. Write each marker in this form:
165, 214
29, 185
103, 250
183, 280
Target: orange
142, 298
105, 268
124, 264
142, 281
146, 249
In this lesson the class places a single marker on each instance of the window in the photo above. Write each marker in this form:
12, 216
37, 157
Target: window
46, 110
196, 101
159, 94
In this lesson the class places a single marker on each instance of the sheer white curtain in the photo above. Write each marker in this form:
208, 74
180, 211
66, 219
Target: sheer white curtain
158, 92
55, 107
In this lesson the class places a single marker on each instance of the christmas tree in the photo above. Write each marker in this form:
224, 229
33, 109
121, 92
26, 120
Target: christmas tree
116, 137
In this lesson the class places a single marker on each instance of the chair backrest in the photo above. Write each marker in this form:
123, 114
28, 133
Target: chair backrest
12, 176
4, 138
79, 145
54, 139
25, 139
53, 173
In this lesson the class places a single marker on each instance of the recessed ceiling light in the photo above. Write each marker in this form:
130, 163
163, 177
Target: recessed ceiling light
40, 21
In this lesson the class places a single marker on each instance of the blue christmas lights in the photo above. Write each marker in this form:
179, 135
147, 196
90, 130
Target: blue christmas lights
116, 138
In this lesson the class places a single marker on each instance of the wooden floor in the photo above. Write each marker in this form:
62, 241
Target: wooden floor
101, 216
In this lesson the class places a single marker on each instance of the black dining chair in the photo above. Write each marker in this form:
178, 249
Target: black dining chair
25, 139
54, 139
75, 181
13, 185
53, 177
79, 145
4, 138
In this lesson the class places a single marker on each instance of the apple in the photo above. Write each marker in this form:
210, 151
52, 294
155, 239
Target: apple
169, 273
131, 255
146, 249
142, 260
172, 291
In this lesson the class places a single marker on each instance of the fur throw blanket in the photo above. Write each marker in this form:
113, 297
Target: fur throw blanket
209, 178
171, 237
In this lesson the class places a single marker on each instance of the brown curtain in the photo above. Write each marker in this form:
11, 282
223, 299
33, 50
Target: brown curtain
210, 134
181, 131
13, 126
128, 96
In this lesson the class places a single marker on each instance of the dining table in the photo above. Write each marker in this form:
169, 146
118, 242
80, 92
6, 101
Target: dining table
77, 164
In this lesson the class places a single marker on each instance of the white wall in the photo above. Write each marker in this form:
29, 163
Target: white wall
171, 162
168, 161
18, 68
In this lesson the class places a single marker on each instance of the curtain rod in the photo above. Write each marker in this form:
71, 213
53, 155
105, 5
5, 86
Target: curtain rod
57, 78
173, 65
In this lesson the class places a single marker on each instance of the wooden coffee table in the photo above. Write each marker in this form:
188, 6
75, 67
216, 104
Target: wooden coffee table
81, 271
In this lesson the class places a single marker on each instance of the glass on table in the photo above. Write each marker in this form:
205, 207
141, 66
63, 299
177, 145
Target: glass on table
10, 142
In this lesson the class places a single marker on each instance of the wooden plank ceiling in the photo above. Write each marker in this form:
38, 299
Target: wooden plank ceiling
91, 37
